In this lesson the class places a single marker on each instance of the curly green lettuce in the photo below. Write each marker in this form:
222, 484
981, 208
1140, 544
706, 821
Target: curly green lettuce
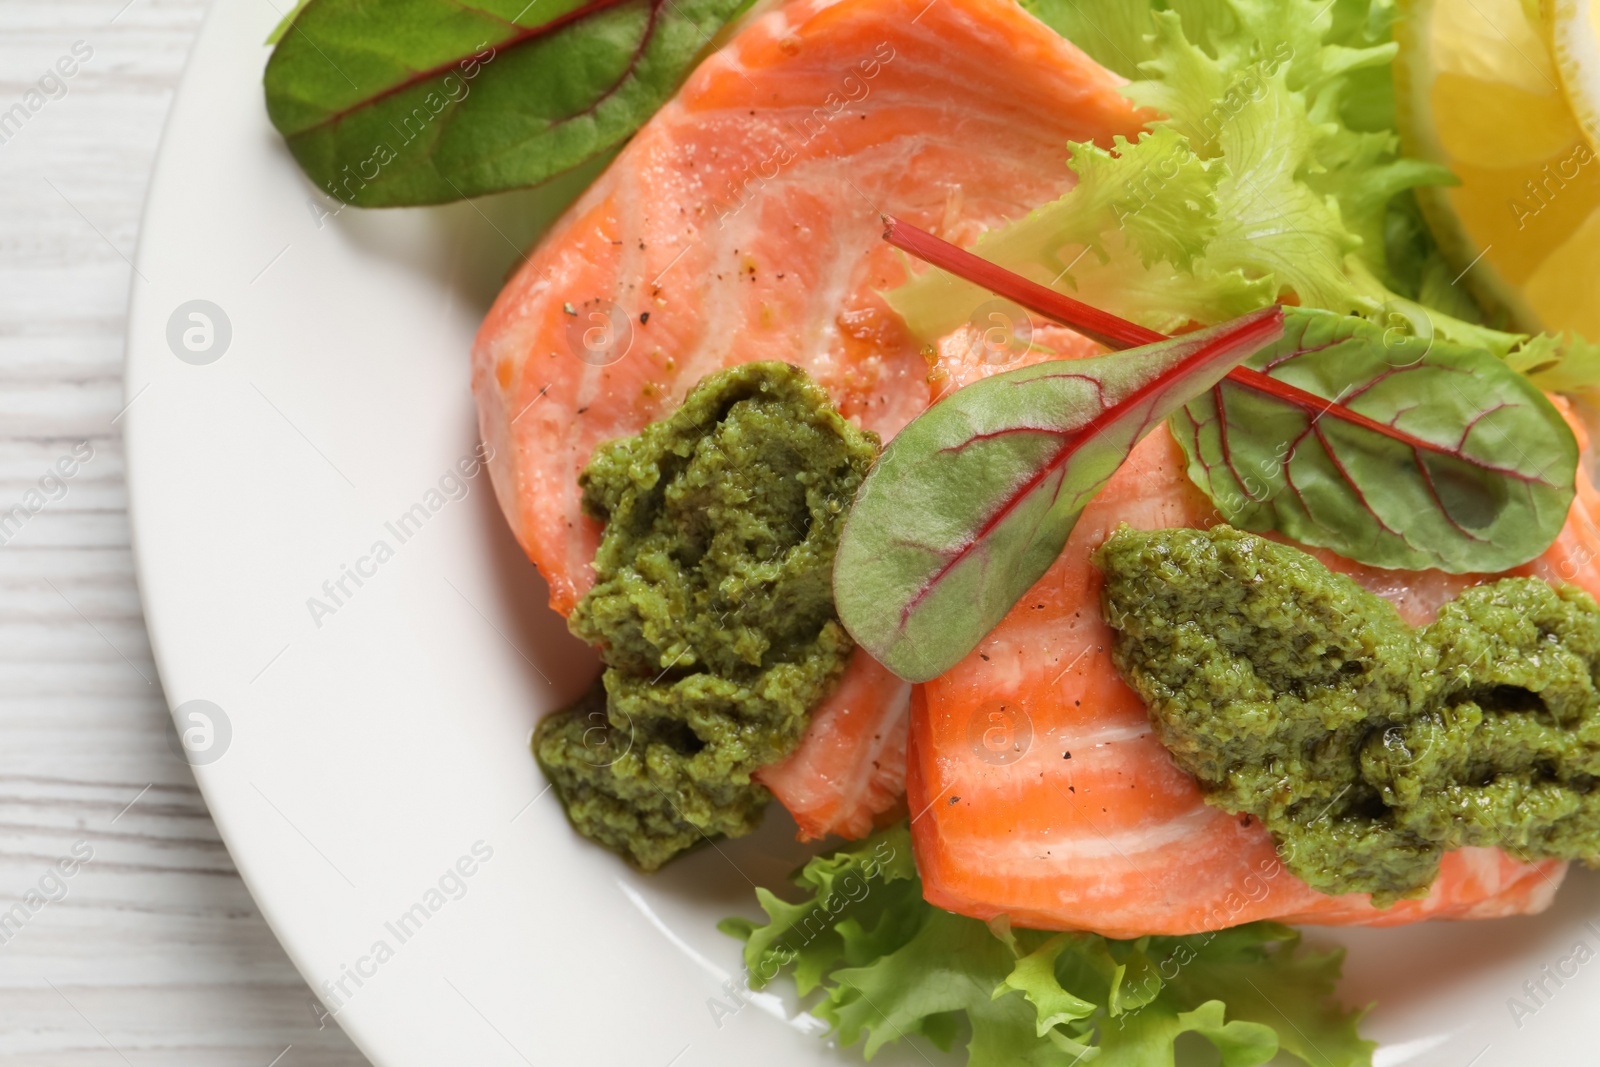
1275, 174
882, 964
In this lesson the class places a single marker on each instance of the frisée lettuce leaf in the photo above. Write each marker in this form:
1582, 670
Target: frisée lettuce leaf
882, 965
1273, 174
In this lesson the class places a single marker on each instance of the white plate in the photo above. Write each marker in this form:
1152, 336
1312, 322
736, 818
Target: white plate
371, 747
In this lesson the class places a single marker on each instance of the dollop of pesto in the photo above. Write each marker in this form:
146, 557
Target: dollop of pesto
712, 607
1367, 747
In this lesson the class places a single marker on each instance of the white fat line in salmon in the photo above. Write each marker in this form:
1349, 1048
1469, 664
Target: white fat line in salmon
454, 484
452, 884
855, 89
1123, 845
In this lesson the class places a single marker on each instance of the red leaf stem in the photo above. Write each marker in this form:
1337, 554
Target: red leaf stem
1101, 326
1108, 329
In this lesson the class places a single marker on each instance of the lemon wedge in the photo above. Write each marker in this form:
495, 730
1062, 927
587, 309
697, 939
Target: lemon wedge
1573, 28
1498, 92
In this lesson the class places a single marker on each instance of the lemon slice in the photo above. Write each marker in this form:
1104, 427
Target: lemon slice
1480, 89
1573, 27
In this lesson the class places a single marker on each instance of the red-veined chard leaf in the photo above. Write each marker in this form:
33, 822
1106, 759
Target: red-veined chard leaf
1391, 450
973, 500
1437, 455
425, 101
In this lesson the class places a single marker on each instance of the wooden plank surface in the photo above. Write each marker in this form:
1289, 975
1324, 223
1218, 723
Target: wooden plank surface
139, 944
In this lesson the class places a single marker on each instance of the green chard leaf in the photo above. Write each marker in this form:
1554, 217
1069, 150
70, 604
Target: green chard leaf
973, 501
896, 966
1392, 450
288, 20
426, 101
1392, 447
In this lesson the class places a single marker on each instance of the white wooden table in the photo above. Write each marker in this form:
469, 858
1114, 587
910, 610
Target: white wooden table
151, 952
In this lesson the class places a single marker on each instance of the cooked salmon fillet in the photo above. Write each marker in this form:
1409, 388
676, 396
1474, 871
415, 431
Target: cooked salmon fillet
1038, 790
851, 764
743, 223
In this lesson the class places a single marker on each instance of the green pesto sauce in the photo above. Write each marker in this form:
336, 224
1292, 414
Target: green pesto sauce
1367, 747
712, 607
